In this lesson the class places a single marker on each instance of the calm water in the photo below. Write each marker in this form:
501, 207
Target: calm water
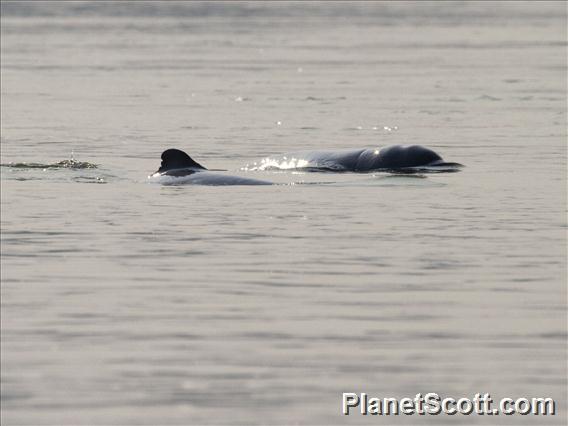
125, 302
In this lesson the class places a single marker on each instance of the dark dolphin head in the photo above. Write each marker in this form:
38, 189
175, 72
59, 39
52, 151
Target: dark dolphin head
401, 157
176, 159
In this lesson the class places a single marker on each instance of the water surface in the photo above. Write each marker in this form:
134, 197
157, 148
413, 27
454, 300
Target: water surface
125, 302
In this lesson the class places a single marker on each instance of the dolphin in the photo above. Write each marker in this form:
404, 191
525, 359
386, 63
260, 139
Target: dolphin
397, 158
179, 168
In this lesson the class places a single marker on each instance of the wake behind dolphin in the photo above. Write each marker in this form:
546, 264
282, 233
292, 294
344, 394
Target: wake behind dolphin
179, 168
397, 158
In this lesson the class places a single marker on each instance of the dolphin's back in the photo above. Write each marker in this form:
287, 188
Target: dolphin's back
337, 161
334, 160
203, 178
178, 168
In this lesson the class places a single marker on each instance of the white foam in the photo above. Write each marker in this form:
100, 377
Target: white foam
283, 163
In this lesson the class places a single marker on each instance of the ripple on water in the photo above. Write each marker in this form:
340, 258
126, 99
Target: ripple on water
65, 164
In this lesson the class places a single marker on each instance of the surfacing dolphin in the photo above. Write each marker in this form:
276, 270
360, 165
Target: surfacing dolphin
179, 168
398, 158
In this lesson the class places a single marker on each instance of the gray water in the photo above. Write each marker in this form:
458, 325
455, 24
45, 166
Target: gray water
126, 302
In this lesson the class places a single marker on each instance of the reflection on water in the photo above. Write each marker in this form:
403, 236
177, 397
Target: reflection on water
130, 303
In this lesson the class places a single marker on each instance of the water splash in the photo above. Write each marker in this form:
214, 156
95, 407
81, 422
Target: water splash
283, 163
65, 164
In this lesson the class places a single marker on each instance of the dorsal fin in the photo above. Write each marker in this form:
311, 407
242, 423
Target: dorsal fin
177, 159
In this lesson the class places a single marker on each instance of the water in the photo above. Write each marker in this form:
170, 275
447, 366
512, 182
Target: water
125, 302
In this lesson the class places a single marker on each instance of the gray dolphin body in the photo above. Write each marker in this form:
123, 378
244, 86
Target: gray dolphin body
178, 168
390, 158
